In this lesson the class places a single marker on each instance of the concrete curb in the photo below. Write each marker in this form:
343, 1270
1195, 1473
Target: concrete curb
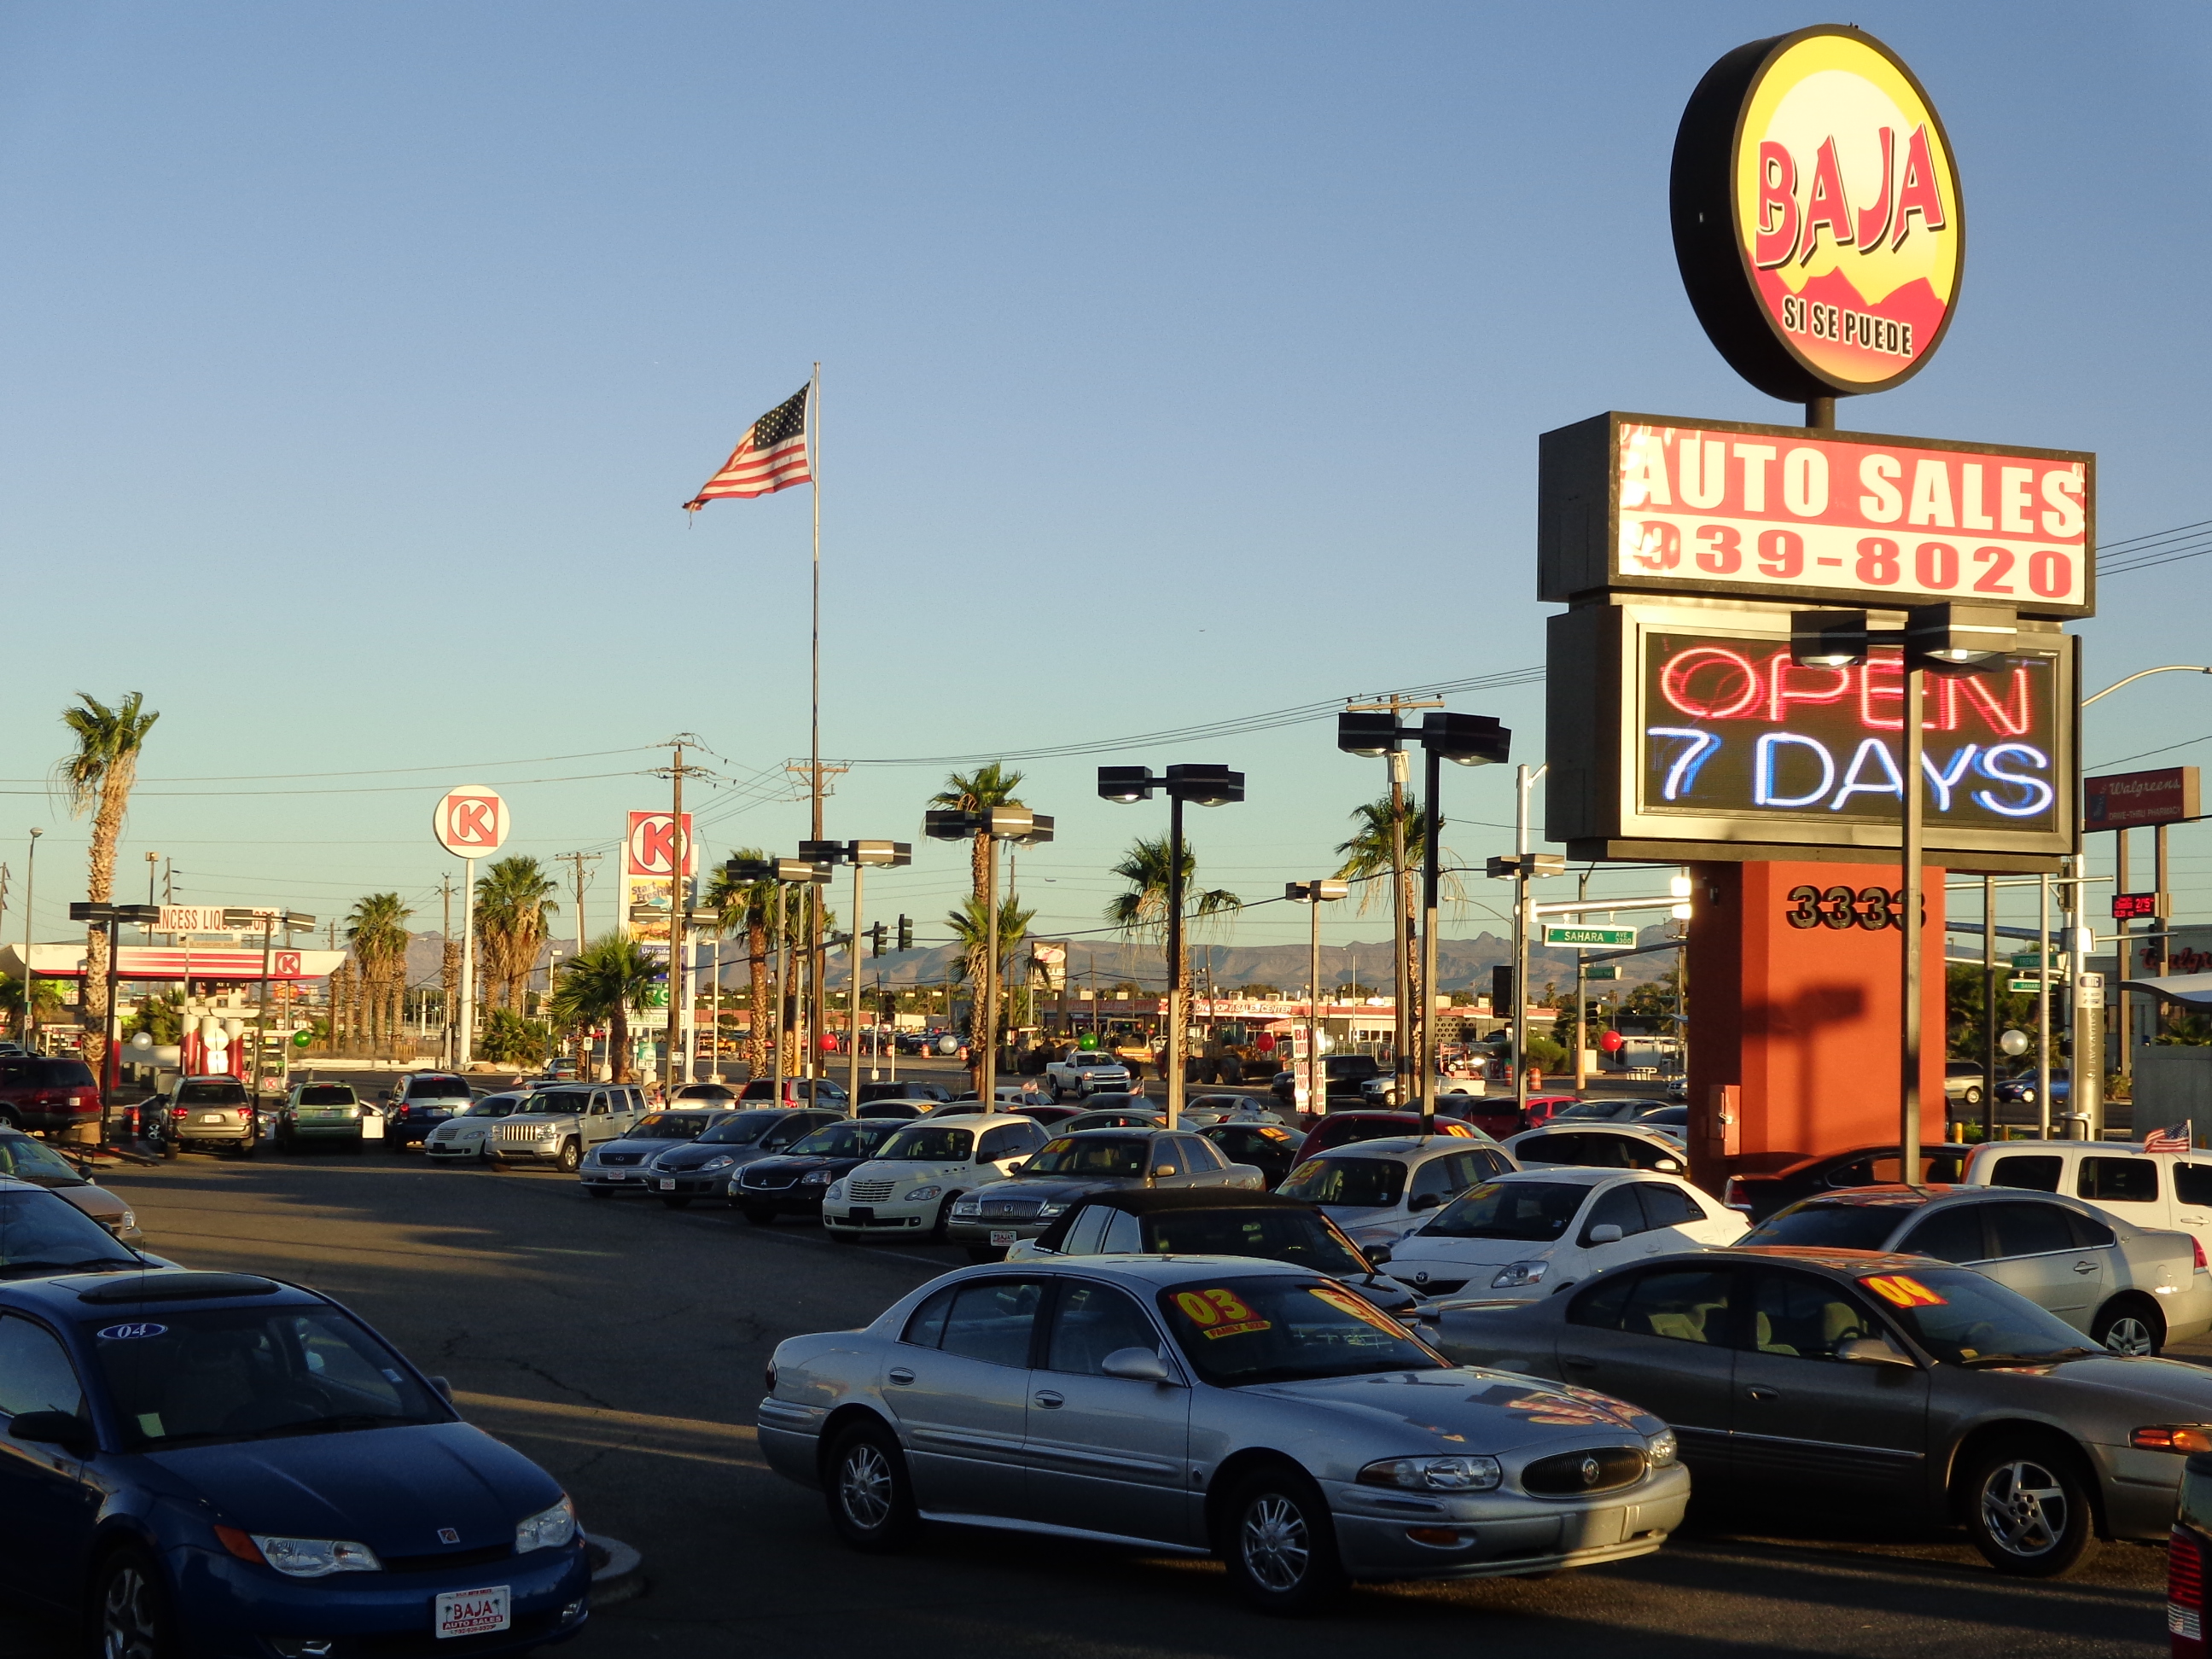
617, 1571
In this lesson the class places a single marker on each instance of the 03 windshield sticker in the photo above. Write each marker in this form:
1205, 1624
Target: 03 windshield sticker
1219, 1313
1902, 1291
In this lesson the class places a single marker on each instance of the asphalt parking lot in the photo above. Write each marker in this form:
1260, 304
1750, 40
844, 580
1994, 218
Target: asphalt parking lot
621, 1345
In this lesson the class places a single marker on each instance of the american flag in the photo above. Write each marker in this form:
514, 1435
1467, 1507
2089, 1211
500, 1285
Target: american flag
775, 455
2175, 1139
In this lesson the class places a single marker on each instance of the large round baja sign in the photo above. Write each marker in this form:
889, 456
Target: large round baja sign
1817, 217
471, 822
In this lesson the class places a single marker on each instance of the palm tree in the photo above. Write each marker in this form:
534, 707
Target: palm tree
971, 927
377, 930
1366, 852
103, 769
605, 984
1141, 910
749, 908
513, 900
979, 792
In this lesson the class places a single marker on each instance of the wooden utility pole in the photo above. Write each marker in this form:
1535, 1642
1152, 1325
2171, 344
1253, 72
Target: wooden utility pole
680, 905
576, 861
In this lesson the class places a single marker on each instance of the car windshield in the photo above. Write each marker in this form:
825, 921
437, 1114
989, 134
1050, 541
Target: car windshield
743, 1128
670, 1126
1297, 1237
192, 1376
1816, 1224
210, 1094
494, 1106
1964, 1319
1080, 1155
33, 1160
1531, 1212
437, 1088
555, 1102
326, 1094
1367, 1183
1239, 1332
854, 1137
935, 1143
1606, 1109
43, 1232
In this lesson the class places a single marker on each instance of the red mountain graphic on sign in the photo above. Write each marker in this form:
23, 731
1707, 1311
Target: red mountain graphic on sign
1839, 332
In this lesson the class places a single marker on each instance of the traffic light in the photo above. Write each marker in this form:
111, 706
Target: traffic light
1501, 991
906, 933
876, 940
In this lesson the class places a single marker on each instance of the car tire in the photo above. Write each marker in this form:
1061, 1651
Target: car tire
759, 1214
940, 1231
2027, 1506
676, 1200
130, 1617
871, 1498
1278, 1542
1973, 1097
571, 1158
2129, 1325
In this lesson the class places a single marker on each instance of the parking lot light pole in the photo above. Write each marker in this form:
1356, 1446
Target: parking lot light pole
995, 824
1204, 786
1316, 893
882, 855
784, 872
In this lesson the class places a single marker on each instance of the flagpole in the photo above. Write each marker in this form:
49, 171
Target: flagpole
814, 737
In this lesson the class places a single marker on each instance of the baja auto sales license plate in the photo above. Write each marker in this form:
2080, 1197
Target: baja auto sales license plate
474, 1611
1006, 1237
618, 1174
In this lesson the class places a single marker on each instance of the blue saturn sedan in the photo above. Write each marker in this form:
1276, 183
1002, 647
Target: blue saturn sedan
222, 1465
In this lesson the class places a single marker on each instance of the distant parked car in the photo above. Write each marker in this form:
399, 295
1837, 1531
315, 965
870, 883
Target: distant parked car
1962, 1082
626, 1161
1267, 1147
1342, 1128
1759, 1193
903, 1089
703, 1168
47, 1096
1073, 1166
1601, 1146
792, 1181
419, 1104
2021, 1090
797, 1092
320, 1114
705, 1094
1377, 1190
208, 1111
468, 1137
1086, 1072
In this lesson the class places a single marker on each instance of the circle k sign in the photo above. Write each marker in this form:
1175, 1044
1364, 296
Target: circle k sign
471, 822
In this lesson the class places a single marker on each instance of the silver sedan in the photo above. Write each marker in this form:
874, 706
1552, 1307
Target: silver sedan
1211, 1405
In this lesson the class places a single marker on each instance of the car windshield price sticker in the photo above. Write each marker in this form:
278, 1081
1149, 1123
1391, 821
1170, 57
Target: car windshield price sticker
1902, 1291
1357, 1306
1219, 1313
130, 1332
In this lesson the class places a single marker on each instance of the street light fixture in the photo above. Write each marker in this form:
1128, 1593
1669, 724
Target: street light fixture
1465, 740
1195, 784
1316, 893
784, 872
1946, 639
861, 855
994, 825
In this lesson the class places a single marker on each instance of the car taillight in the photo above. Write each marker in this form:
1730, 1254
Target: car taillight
2197, 1245
1732, 1194
179, 1111
2185, 1593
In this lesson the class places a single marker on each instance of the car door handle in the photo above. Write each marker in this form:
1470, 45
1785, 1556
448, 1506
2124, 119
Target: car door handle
1048, 1399
2085, 1266
900, 1375
1577, 1363
1761, 1395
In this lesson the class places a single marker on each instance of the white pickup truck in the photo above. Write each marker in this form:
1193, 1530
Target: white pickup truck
1086, 1072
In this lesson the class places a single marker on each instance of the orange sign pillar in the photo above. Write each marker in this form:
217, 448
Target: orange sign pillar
1796, 1029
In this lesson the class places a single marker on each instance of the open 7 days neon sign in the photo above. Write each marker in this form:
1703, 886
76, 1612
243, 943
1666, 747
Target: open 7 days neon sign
1736, 727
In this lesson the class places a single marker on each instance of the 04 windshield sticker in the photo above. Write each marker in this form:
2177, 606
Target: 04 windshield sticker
1902, 1291
1219, 1313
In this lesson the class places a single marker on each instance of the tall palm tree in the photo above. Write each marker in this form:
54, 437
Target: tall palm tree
749, 908
102, 770
513, 900
971, 929
1141, 909
605, 983
377, 930
1366, 854
979, 792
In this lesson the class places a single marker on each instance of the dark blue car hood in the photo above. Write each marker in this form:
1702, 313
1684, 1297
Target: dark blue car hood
391, 1489
837, 1166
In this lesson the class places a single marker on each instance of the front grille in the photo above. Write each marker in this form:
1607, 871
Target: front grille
1571, 1474
519, 1131
621, 1158
869, 1191
483, 1557
767, 1180
1010, 1209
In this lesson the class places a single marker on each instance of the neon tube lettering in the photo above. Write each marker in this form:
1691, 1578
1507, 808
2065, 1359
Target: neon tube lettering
2039, 793
1879, 751
1762, 769
1682, 776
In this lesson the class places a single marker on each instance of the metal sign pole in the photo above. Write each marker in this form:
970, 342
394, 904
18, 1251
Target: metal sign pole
1909, 922
2043, 1007
464, 1048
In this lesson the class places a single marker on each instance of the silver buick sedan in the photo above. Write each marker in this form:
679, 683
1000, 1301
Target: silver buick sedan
1211, 1405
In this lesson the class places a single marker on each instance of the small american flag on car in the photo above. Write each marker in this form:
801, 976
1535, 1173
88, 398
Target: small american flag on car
2174, 1139
775, 455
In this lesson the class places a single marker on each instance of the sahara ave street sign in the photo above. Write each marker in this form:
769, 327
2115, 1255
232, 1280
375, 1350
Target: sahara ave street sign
1566, 933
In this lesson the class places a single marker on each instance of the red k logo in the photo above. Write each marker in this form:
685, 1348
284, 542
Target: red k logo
651, 850
471, 821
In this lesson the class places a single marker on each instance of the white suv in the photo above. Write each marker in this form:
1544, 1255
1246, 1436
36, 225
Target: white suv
2162, 1192
910, 1185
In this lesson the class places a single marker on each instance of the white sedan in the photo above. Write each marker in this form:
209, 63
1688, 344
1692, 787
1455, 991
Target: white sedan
1524, 1235
1377, 1190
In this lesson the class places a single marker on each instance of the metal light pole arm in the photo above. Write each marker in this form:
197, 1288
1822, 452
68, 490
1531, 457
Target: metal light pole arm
2170, 668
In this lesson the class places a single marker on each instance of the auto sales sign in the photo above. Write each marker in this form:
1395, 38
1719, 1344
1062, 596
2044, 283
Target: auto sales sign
1817, 214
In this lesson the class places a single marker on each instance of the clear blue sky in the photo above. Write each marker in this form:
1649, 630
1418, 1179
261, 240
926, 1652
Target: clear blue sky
1180, 363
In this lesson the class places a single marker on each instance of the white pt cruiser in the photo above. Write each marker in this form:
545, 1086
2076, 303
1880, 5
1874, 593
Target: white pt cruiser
909, 1186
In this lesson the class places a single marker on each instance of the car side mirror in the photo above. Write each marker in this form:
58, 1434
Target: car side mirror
1019, 1167
1668, 1166
1604, 1233
1872, 1351
1163, 1169
1427, 1202
1376, 1255
1137, 1365
444, 1389
63, 1428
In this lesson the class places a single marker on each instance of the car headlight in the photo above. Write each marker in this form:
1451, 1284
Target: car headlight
1462, 1473
1660, 1450
916, 1194
1050, 1211
591, 1157
721, 1162
314, 1558
2173, 1437
814, 1178
1519, 1273
129, 1220
969, 1206
548, 1529
835, 1195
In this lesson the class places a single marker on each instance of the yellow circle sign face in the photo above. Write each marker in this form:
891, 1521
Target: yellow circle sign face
1836, 194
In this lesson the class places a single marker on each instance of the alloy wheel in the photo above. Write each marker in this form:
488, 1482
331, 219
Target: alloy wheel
863, 1486
129, 1628
2024, 1508
2130, 1335
1274, 1541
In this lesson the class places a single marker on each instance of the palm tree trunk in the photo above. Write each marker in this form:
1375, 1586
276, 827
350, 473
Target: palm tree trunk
759, 1058
100, 888
618, 1042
